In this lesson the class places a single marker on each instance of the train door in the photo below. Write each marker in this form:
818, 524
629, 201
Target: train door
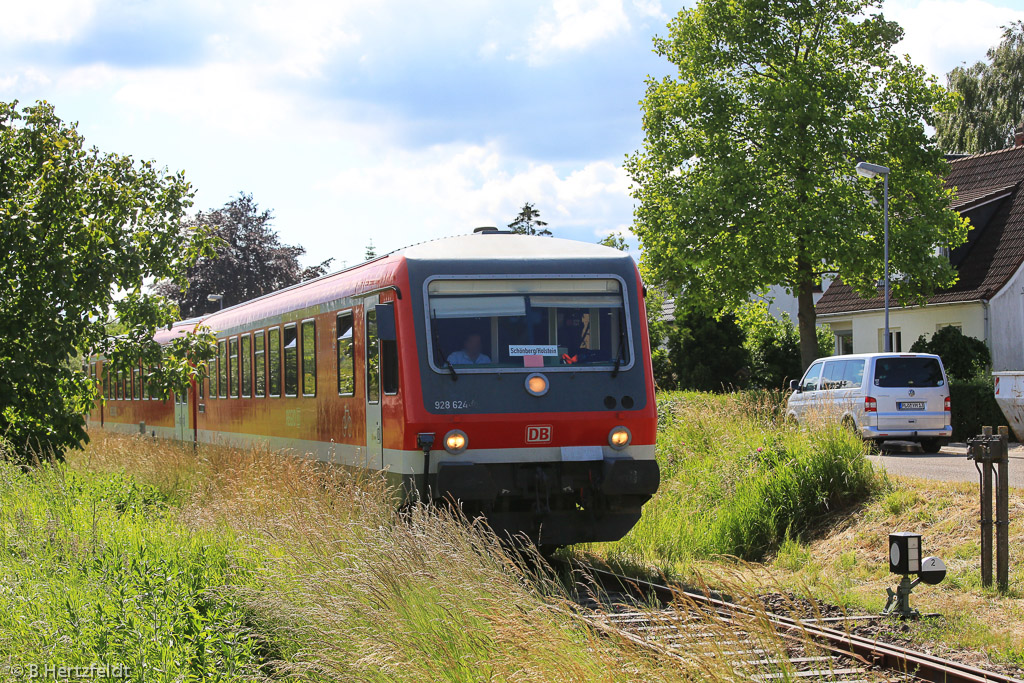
181, 430
374, 423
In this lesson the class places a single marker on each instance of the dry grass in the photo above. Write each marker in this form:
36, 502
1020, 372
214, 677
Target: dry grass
348, 589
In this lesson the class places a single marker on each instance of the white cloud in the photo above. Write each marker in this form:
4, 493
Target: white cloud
941, 34
456, 187
572, 25
47, 21
650, 8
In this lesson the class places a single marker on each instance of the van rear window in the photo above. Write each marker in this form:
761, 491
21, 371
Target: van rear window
908, 372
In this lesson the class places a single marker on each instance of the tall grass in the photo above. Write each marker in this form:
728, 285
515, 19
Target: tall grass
738, 480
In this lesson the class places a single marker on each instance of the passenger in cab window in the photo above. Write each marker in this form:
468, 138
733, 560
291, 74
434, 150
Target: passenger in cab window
471, 352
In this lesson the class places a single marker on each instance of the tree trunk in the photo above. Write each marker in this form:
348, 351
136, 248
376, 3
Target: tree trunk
807, 318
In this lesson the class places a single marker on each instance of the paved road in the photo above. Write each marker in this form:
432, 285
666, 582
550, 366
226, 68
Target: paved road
951, 464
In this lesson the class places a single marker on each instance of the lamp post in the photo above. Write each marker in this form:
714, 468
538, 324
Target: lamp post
870, 171
219, 298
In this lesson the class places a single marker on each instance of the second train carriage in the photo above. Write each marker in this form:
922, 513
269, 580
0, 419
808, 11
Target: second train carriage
514, 369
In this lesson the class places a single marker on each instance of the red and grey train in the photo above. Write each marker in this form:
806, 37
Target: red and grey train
514, 369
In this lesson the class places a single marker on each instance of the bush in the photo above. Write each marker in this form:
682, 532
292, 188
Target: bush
707, 352
736, 479
974, 406
774, 346
963, 356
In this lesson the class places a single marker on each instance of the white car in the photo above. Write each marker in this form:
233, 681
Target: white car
883, 396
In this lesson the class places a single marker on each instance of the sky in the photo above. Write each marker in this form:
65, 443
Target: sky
387, 120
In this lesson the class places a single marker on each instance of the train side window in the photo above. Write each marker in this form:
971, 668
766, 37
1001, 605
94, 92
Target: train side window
259, 363
201, 387
144, 378
106, 381
372, 359
389, 366
246, 364
274, 356
291, 360
233, 367
119, 385
222, 368
346, 356
309, 358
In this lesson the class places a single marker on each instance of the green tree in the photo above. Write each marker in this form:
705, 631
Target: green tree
81, 231
528, 222
774, 345
990, 100
249, 260
615, 240
746, 176
963, 356
707, 352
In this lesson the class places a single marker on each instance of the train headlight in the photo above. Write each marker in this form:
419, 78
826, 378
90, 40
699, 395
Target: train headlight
619, 438
455, 441
537, 384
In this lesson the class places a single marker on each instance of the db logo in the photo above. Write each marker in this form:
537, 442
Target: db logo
538, 434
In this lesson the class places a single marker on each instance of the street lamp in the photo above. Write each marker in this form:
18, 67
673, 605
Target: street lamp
867, 170
216, 298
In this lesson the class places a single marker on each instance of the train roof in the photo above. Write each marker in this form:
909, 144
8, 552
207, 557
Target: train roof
489, 247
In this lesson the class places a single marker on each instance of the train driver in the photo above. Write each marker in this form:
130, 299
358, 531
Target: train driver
470, 353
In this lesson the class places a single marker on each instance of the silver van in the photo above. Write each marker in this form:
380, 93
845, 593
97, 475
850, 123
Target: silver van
883, 396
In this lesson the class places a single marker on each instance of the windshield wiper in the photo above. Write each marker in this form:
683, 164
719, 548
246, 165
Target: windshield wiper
618, 357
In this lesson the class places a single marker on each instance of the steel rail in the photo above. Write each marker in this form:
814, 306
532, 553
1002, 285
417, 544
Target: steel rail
919, 665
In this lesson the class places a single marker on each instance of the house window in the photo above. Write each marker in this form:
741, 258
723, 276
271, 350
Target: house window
844, 342
958, 326
895, 337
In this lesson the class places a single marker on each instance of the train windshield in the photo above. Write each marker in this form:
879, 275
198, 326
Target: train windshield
527, 323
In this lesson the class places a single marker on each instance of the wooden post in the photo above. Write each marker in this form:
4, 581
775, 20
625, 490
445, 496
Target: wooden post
986, 517
1003, 514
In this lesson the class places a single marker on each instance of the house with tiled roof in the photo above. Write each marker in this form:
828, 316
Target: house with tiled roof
987, 300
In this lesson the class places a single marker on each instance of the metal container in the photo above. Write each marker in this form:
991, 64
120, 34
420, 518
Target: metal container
1010, 397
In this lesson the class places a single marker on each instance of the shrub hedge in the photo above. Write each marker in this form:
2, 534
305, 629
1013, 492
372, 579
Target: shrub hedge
974, 406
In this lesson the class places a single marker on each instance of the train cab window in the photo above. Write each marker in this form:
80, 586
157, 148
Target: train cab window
309, 358
246, 365
233, 367
372, 359
346, 356
526, 322
274, 358
259, 363
222, 368
291, 360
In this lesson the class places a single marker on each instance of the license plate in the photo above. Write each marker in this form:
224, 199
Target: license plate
910, 405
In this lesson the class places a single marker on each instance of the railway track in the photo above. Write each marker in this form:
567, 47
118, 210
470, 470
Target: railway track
673, 622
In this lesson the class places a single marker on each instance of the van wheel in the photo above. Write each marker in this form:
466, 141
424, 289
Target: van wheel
931, 445
849, 423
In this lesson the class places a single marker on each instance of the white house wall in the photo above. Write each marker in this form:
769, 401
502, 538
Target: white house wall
911, 322
1007, 325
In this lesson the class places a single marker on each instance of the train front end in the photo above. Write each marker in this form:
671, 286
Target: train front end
537, 403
